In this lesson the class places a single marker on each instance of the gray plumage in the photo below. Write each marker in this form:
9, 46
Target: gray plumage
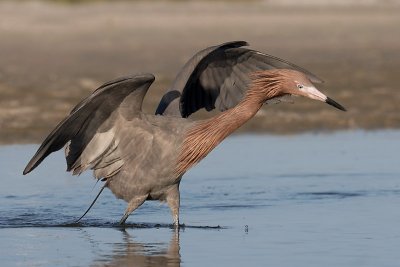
143, 157
218, 77
108, 133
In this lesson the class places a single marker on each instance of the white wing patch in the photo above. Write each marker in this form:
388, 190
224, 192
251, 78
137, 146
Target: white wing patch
97, 147
100, 154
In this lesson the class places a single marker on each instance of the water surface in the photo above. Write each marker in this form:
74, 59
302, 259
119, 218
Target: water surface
301, 200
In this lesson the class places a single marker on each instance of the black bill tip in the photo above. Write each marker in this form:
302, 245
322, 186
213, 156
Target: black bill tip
335, 104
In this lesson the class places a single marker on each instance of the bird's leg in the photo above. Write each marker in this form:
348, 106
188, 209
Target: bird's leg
132, 205
173, 199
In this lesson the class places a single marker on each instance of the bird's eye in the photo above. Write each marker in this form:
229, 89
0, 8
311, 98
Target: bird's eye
300, 86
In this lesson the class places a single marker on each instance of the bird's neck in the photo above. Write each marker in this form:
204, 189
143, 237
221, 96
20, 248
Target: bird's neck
225, 123
205, 135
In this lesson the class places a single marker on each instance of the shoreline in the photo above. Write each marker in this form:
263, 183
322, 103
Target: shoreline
54, 55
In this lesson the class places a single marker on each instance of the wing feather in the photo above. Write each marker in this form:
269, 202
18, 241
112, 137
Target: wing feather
87, 128
217, 77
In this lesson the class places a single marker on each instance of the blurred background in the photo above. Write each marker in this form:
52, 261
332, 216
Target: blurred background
54, 53
288, 200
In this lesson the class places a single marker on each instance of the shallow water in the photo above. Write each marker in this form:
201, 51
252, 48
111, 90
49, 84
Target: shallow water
301, 200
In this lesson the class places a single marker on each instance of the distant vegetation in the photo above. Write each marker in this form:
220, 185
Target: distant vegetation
94, 1
84, 1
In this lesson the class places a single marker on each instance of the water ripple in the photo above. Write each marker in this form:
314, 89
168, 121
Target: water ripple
22, 222
328, 195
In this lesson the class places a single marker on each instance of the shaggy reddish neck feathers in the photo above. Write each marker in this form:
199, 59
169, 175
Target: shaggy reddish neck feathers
207, 134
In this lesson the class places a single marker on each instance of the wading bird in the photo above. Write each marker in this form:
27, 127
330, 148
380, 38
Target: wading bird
143, 157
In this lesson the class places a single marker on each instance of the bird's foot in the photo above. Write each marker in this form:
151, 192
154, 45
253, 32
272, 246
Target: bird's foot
177, 226
123, 219
176, 221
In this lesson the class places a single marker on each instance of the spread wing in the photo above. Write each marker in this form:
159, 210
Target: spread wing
217, 77
89, 130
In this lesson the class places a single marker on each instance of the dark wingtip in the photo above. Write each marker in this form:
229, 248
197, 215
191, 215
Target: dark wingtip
335, 104
166, 100
146, 77
27, 169
234, 44
37, 158
30, 166
242, 43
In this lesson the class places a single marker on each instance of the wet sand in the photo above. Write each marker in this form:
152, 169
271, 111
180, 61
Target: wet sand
53, 55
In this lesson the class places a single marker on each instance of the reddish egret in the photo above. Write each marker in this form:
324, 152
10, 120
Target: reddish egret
143, 157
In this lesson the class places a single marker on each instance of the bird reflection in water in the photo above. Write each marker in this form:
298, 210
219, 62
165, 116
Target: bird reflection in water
135, 254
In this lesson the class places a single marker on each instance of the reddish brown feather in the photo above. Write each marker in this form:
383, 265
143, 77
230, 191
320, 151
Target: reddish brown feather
207, 134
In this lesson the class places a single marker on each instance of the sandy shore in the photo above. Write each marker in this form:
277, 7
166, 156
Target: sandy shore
53, 55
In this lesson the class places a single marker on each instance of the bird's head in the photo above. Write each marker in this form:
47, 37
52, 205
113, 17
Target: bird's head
278, 83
